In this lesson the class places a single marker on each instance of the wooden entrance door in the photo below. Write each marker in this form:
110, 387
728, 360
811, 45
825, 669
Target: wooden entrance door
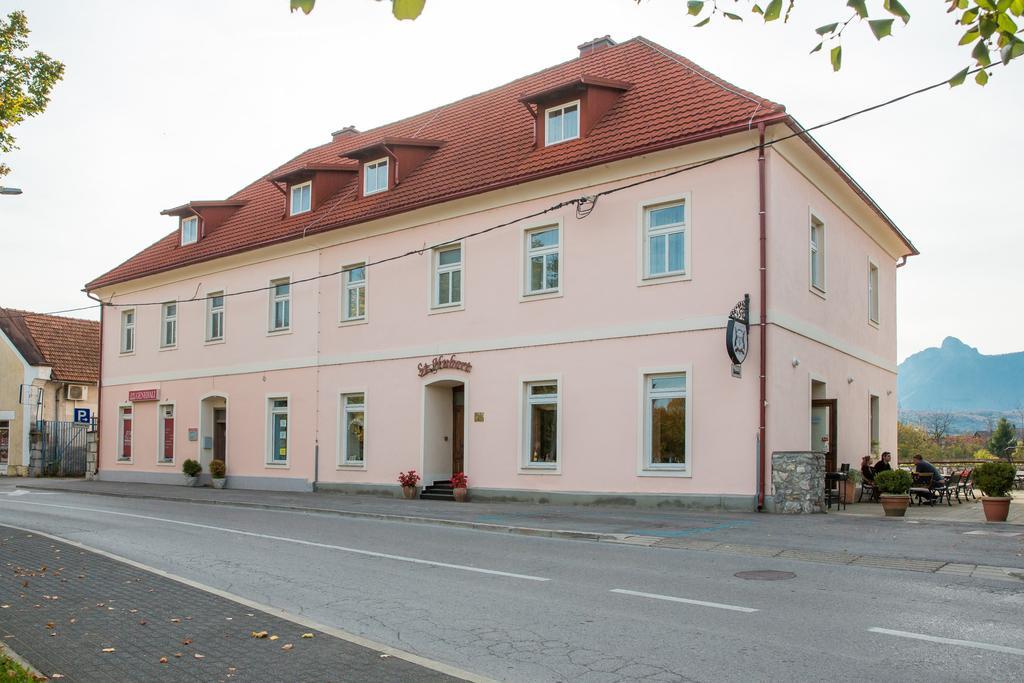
5, 442
220, 432
458, 419
823, 431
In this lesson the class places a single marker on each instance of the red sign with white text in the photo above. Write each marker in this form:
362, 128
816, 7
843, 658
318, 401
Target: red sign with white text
144, 395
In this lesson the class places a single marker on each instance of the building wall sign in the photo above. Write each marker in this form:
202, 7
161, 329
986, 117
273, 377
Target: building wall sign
444, 363
737, 331
144, 395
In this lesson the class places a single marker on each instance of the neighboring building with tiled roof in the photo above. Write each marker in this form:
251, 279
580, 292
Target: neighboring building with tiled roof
49, 365
531, 285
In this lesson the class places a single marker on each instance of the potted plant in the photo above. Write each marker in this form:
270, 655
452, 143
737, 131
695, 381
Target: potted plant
217, 471
191, 468
459, 483
893, 486
995, 479
853, 478
408, 480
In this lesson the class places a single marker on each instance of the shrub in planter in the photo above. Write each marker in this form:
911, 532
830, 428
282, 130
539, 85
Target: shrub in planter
191, 468
995, 479
459, 484
217, 471
408, 480
893, 486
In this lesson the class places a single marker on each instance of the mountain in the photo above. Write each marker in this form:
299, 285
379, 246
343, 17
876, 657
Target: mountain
957, 378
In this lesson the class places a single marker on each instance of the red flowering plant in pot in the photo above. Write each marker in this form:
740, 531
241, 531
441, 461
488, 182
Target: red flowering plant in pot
408, 480
459, 483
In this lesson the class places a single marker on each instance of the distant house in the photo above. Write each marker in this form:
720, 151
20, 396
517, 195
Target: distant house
49, 365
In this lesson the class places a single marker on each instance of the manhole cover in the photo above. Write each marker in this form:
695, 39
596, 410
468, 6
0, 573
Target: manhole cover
765, 575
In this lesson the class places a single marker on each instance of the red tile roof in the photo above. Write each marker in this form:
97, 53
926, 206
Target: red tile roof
488, 143
70, 346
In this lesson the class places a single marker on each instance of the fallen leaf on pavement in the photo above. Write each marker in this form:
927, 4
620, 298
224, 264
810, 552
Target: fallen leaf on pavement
384, 656
175, 621
4, 606
56, 675
259, 634
142, 622
187, 641
273, 637
49, 624
163, 660
177, 654
109, 649
199, 656
287, 646
307, 635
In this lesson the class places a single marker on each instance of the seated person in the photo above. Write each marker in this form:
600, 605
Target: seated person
922, 466
883, 463
866, 470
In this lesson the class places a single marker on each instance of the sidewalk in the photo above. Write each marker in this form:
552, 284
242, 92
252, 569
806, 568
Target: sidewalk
76, 615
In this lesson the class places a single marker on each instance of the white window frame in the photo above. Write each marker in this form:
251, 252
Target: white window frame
436, 270
275, 298
168, 323
874, 300
561, 109
644, 467
213, 310
160, 432
525, 423
268, 434
526, 253
301, 208
120, 434
347, 285
817, 250
386, 162
128, 331
189, 230
343, 461
644, 276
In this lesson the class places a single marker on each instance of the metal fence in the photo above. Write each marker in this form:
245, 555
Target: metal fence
64, 448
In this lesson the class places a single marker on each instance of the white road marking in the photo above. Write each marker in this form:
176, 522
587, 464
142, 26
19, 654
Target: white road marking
702, 603
1005, 534
356, 551
23, 492
950, 641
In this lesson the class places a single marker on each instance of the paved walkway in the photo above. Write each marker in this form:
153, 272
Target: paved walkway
76, 615
969, 511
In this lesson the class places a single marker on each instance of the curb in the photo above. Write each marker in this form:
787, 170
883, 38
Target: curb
408, 519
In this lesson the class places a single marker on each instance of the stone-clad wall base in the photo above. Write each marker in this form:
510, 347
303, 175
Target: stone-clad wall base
798, 479
175, 477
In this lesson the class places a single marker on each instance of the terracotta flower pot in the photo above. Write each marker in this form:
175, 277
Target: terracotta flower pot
849, 492
895, 504
997, 508
460, 494
409, 492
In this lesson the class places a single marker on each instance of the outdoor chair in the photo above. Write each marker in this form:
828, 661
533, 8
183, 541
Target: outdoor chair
921, 488
952, 487
840, 481
868, 487
966, 485
945, 489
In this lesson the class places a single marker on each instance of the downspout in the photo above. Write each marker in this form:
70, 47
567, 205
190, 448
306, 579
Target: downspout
99, 394
762, 428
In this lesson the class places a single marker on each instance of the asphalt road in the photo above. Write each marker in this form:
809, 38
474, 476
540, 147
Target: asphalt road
535, 609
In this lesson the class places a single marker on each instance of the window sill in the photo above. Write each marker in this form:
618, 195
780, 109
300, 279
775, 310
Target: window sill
279, 333
452, 308
351, 467
354, 322
664, 279
539, 296
214, 342
119, 461
126, 353
169, 463
821, 293
681, 472
278, 465
553, 468
168, 348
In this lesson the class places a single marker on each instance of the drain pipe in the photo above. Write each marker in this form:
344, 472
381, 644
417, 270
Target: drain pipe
763, 375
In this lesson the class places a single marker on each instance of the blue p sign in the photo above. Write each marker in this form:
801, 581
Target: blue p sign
83, 415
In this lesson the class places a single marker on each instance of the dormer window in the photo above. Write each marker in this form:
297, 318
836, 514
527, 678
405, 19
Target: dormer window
375, 176
562, 123
301, 198
189, 230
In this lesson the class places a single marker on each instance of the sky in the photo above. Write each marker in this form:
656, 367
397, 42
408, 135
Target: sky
166, 102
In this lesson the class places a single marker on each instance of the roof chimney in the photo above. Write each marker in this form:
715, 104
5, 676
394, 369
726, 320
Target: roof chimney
344, 132
595, 45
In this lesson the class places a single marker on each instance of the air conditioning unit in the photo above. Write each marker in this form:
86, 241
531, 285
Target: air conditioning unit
78, 392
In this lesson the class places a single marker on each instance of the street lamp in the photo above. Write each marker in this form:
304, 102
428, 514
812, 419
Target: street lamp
10, 190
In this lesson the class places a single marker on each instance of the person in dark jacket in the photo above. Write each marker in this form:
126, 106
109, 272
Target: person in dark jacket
883, 463
922, 466
866, 470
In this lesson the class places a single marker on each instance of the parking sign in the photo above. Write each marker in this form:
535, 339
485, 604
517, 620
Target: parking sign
83, 415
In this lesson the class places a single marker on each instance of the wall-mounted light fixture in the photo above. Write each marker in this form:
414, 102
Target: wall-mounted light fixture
796, 361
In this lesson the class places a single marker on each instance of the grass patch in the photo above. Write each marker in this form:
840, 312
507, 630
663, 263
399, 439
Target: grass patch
12, 672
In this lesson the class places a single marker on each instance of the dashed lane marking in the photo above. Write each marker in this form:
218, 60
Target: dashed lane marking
687, 601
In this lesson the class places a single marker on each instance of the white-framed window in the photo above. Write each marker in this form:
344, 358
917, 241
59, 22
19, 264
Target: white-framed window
301, 198
215, 316
280, 304
124, 434
189, 230
873, 293
665, 240
447, 276
817, 254
277, 438
128, 331
353, 306
665, 422
353, 424
165, 431
562, 123
541, 429
543, 260
169, 324
375, 176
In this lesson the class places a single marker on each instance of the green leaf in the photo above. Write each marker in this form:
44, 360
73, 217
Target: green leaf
980, 53
1006, 23
756, 9
987, 25
407, 9
894, 7
704, 22
881, 27
969, 17
981, 78
816, 48
734, 17
959, 78
827, 28
969, 37
1013, 50
837, 57
305, 5
773, 11
694, 7
986, 4
860, 7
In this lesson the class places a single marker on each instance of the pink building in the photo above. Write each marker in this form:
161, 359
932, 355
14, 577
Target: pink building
434, 294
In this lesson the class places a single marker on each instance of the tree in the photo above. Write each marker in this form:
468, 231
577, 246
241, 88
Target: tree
938, 425
913, 440
25, 80
1003, 439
